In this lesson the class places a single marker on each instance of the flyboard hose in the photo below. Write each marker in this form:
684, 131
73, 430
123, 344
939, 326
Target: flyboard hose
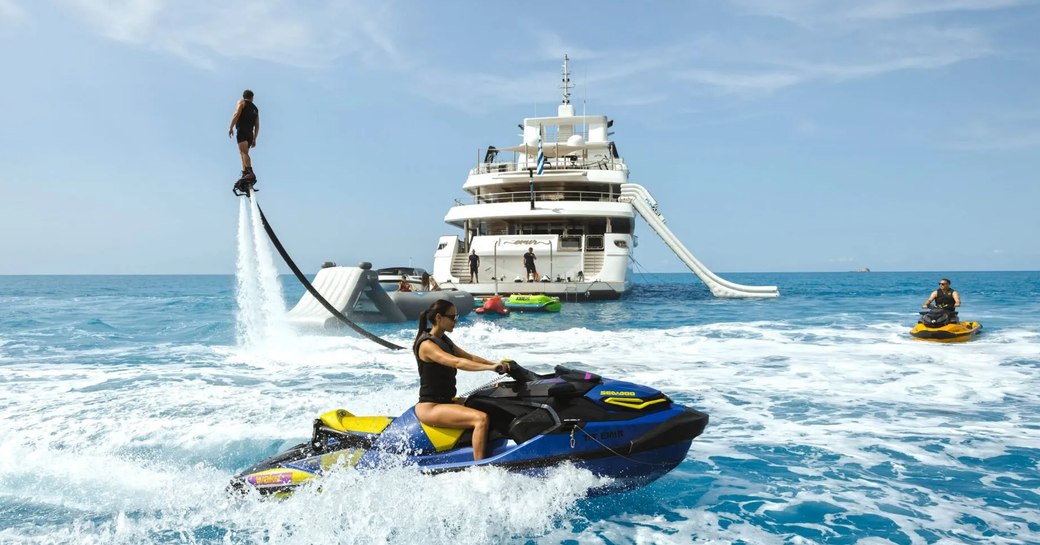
310, 289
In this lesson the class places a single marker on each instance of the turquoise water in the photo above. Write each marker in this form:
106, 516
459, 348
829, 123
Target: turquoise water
126, 403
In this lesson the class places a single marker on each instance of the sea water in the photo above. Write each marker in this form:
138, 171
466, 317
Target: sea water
128, 402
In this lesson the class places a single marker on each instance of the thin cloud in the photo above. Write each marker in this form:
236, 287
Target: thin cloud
994, 135
208, 34
11, 14
816, 12
713, 66
273, 30
896, 9
481, 91
621, 76
734, 81
749, 68
792, 73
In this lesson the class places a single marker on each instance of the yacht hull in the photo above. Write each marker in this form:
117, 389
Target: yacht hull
566, 291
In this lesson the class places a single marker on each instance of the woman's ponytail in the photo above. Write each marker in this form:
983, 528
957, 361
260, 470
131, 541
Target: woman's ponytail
423, 316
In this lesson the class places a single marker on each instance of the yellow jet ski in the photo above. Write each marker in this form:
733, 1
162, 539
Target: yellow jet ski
941, 325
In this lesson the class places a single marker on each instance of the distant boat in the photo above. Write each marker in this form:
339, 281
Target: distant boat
864, 269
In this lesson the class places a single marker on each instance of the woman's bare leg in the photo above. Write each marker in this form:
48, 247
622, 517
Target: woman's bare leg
450, 415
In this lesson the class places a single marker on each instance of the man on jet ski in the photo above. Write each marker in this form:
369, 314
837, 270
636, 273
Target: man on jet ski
439, 360
945, 297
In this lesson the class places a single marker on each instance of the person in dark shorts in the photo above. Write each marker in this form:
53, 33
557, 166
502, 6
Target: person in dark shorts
532, 272
474, 267
439, 360
246, 125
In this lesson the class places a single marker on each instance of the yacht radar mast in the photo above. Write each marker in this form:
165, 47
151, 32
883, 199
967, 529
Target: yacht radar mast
566, 80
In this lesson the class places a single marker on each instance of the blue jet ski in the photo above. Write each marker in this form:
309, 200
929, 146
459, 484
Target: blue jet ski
630, 433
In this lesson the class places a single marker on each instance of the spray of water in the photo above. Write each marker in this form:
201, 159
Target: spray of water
247, 293
261, 306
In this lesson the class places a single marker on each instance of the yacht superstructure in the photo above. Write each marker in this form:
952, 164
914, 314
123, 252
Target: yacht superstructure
562, 194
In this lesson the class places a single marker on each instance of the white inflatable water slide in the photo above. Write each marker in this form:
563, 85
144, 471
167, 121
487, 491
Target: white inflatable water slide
647, 208
354, 291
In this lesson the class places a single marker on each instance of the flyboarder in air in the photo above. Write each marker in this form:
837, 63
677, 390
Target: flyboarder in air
246, 125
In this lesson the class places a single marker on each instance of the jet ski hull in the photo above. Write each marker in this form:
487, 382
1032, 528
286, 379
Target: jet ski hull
951, 333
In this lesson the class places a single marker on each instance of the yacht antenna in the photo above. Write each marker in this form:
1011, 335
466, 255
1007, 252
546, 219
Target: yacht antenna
566, 81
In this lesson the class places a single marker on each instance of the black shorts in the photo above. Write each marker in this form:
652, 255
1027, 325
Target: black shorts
243, 136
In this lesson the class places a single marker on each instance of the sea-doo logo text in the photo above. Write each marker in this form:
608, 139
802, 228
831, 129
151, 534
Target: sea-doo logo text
613, 393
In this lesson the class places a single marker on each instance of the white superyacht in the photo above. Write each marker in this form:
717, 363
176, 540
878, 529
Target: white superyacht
562, 194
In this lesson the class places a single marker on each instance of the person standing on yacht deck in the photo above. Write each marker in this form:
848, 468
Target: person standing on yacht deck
246, 123
474, 267
532, 272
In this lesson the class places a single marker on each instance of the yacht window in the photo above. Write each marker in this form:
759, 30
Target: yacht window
570, 242
594, 242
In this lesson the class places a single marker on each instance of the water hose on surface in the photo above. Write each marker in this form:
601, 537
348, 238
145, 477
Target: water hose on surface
310, 289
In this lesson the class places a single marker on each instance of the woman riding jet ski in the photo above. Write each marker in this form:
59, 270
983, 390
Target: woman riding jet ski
940, 323
631, 433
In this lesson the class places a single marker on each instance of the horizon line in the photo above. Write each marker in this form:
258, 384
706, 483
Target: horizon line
872, 271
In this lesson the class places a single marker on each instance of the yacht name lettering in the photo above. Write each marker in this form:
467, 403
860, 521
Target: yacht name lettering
613, 393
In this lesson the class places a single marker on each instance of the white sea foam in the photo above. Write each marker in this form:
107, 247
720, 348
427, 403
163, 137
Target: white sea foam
862, 419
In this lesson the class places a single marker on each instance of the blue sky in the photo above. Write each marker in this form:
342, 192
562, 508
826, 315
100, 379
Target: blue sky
776, 135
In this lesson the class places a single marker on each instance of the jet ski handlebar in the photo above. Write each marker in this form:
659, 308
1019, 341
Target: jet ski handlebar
519, 374
930, 310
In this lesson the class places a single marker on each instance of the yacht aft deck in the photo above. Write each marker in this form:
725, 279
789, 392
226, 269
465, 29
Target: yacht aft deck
574, 268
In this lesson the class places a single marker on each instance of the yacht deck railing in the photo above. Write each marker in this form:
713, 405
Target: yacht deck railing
560, 163
525, 196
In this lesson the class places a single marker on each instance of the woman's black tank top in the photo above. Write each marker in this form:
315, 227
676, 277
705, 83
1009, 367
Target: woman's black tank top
436, 381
